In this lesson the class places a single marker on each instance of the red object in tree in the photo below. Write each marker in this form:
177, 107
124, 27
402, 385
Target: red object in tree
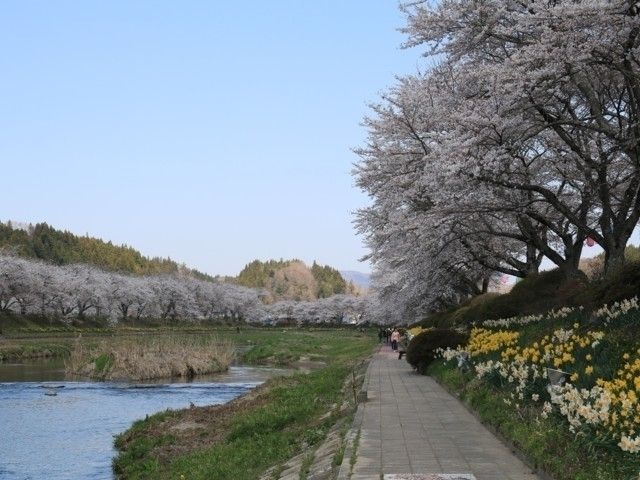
590, 242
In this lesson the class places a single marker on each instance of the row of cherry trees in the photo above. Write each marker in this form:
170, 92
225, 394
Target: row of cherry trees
77, 291
522, 142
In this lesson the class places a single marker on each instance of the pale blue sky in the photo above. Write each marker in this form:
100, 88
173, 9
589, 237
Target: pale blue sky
212, 132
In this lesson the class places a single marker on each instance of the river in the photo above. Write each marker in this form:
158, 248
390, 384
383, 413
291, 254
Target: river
58, 429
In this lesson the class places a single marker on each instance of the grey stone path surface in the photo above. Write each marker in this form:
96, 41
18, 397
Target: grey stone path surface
411, 425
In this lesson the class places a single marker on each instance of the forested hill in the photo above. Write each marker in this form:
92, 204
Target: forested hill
62, 247
293, 280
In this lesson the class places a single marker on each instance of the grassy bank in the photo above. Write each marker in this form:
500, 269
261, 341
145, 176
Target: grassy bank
244, 438
149, 358
22, 350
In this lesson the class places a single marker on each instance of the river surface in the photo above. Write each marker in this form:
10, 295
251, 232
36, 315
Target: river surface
52, 428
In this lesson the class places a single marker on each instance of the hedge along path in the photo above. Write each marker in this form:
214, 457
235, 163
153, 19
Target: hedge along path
411, 425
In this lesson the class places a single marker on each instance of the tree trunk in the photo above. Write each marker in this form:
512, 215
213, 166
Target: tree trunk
533, 260
124, 310
572, 253
613, 260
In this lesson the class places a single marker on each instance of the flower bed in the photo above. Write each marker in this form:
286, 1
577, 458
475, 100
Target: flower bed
597, 356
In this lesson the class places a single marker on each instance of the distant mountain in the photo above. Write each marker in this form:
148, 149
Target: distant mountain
359, 279
279, 279
293, 280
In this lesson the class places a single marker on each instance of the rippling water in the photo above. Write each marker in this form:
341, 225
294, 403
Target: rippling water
64, 430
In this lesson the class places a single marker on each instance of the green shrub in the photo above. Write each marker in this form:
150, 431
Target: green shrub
570, 290
536, 294
623, 284
539, 294
422, 348
467, 311
500, 306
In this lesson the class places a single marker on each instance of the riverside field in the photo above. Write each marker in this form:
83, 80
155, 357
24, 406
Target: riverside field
260, 431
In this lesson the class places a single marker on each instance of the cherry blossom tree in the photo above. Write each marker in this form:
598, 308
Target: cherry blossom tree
520, 144
569, 110
66, 292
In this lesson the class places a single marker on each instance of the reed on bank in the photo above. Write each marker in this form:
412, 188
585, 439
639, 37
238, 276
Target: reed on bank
149, 358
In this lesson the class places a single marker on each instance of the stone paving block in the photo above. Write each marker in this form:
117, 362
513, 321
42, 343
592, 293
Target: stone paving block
411, 425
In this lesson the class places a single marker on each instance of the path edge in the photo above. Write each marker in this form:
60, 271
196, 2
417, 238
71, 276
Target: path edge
522, 456
344, 473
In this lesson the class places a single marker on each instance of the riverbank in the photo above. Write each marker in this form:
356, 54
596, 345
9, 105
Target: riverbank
29, 341
284, 417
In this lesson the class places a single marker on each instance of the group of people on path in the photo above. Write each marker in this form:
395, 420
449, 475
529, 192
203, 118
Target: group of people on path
398, 338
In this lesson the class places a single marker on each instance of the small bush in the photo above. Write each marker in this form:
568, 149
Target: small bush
422, 348
103, 363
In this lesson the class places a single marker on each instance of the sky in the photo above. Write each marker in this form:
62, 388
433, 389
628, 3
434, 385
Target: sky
212, 132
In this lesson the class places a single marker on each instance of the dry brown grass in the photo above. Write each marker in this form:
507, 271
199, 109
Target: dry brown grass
149, 358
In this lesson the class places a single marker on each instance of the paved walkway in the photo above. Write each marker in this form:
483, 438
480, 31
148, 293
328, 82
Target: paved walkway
411, 425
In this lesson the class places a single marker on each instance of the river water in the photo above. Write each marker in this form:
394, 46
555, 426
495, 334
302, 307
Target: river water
52, 428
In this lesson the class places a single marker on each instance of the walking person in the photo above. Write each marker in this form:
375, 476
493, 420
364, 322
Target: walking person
395, 336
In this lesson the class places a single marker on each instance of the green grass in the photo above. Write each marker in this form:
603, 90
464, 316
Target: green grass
547, 443
281, 347
31, 337
275, 431
102, 362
